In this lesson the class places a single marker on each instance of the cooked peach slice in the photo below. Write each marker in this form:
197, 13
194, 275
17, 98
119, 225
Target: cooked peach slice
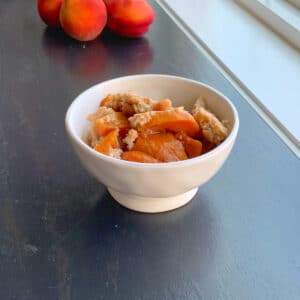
109, 144
192, 147
163, 104
162, 146
110, 122
207, 146
174, 120
138, 156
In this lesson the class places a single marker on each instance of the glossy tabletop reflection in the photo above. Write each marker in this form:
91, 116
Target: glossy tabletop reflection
61, 234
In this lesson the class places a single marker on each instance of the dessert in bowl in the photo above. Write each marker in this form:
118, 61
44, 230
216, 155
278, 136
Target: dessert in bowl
159, 185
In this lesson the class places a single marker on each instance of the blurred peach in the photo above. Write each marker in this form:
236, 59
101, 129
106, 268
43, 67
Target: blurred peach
49, 11
83, 20
129, 18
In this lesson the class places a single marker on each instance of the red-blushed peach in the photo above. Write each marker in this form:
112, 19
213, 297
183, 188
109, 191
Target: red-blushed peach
83, 20
49, 11
129, 18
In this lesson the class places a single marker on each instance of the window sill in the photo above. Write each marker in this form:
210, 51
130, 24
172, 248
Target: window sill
256, 57
279, 15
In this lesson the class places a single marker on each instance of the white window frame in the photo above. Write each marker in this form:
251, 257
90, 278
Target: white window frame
264, 11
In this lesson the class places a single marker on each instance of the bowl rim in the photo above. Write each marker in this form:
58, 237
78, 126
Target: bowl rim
230, 138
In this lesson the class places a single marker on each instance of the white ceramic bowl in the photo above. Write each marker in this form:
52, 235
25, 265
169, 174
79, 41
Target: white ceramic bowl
151, 187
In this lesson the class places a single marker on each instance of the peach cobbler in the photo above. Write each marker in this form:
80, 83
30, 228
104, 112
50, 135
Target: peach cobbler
136, 128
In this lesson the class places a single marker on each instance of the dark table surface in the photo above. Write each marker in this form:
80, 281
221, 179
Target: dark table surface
61, 234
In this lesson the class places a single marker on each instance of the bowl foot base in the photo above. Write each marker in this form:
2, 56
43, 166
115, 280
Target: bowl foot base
152, 205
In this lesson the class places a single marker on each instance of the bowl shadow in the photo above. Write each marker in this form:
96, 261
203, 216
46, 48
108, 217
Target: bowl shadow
114, 249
